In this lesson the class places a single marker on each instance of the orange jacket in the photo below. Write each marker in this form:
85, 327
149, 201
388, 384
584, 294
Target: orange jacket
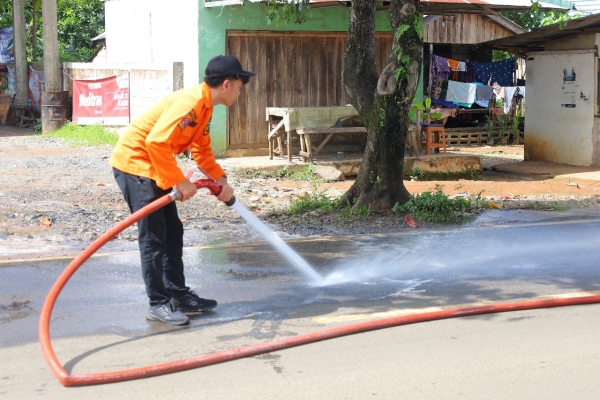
176, 123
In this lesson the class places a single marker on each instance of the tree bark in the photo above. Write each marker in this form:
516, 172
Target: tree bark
383, 101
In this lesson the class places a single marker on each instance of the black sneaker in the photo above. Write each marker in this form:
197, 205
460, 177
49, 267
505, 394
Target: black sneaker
191, 303
168, 314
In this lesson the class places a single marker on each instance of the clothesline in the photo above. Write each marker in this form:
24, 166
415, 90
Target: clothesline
500, 72
452, 93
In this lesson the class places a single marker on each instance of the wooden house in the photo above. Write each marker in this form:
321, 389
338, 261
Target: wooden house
296, 65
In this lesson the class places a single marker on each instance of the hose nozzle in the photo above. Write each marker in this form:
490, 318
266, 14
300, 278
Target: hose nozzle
212, 186
230, 202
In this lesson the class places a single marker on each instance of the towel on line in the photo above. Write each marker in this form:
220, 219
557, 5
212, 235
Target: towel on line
463, 93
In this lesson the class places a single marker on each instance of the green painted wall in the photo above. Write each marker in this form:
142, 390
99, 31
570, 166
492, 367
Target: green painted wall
213, 23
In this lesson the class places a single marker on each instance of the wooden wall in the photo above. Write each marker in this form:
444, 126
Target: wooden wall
464, 29
293, 69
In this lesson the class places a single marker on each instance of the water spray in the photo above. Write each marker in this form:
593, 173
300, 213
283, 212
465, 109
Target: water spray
258, 225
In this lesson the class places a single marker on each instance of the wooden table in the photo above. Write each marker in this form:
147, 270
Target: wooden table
286, 120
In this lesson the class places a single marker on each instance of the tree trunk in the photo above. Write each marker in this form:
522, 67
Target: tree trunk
383, 101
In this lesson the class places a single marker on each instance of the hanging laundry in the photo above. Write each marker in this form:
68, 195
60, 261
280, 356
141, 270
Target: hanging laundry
462, 94
498, 91
439, 67
439, 88
509, 93
462, 66
483, 95
501, 72
521, 92
453, 64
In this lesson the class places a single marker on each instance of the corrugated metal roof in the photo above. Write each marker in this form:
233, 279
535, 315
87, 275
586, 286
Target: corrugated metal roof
586, 7
438, 7
536, 39
485, 6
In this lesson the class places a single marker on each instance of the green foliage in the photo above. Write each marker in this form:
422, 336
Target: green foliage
405, 35
317, 200
499, 55
534, 18
6, 18
38, 125
295, 12
306, 173
489, 127
318, 203
439, 208
504, 122
79, 21
516, 120
419, 175
425, 108
84, 135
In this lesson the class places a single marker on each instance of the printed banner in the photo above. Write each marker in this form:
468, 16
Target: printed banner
36, 86
7, 45
103, 101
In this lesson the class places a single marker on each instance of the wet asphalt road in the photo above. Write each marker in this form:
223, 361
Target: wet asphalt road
503, 256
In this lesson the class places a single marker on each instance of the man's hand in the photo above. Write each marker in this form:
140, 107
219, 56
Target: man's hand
226, 190
187, 190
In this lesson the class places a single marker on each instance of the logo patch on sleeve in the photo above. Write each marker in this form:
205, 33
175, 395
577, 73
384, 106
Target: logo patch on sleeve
189, 119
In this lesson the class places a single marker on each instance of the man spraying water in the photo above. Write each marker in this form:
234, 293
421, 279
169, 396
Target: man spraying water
145, 169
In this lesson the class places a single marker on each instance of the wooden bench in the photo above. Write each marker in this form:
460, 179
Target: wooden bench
306, 150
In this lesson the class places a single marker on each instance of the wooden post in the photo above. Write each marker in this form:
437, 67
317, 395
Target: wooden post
430, 67
52, 78
21, 71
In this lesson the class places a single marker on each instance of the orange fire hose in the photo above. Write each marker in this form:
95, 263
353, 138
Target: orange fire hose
214, 358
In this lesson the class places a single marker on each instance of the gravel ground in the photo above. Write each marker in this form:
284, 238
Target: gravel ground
73, 189
45, 182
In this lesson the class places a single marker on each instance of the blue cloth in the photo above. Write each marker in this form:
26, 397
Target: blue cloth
442, 103
501, 72
483, 95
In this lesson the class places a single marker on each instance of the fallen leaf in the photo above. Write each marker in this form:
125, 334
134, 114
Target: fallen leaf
45, 222
410, 221
496, 206
101, 184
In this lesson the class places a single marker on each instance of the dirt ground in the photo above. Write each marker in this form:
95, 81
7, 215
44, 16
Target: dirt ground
535, 184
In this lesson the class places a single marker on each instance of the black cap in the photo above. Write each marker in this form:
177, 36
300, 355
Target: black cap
224, 66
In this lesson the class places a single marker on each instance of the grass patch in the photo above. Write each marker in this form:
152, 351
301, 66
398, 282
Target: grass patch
306, 173
84, 135
437, 207
317, 204
419, 175
314, 201
551, 206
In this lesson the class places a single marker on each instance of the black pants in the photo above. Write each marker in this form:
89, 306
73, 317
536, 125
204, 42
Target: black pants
160, 237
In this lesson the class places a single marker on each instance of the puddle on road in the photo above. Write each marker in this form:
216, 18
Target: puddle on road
15, 310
